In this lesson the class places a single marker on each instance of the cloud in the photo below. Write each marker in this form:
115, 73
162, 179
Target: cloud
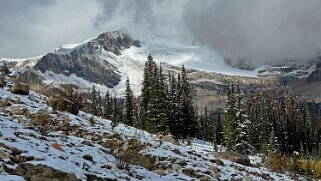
33, 27
262, 31
257, 30
160, 17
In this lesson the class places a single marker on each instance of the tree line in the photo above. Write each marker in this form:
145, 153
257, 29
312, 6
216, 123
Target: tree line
164, 106
270, 123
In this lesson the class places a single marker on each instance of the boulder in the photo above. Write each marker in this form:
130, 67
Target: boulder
4, 155
234, 157
88, 157
176, 167
88, 143
189, 172
180, 162
20, 88
43, 172
160, 172
205, 178
168, 138
107, 167
219, 162
4, 103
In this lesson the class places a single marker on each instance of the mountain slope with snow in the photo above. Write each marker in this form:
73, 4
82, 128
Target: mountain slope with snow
86, 147
107, 60
111, 57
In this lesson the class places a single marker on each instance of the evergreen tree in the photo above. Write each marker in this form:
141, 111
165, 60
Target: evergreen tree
187, 108
129, 107
146, 89
174, 117
218, 130
93, 109
241, 133
99, 106
230, 114
108, 106
115, 115
136, 118
273, 143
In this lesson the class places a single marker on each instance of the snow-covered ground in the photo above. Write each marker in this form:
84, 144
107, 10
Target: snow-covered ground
190, 162
187, 53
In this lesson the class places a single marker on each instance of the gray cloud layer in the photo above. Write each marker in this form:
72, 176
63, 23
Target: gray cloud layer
259, 30
33, 27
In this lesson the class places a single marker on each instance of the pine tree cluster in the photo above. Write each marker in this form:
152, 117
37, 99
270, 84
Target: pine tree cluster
165, 104
271, 123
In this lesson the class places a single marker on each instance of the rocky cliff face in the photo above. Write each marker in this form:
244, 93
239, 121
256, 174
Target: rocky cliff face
315, 76
88, 61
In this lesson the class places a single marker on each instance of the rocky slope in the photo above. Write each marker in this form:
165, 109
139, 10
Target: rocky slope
86, 147
93, 62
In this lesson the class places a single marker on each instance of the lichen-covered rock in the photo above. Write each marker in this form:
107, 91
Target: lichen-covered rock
168, 138
43, 172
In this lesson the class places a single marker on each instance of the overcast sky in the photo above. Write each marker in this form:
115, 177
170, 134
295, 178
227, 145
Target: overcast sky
259, 30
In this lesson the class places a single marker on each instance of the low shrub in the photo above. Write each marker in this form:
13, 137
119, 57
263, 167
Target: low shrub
69, 99
43, 123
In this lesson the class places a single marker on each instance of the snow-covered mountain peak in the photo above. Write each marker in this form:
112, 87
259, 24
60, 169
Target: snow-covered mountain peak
108, 59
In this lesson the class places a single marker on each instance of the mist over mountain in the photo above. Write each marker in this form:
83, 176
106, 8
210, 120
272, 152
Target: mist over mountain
259, 31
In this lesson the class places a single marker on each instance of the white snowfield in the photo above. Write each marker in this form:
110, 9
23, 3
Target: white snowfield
198, 157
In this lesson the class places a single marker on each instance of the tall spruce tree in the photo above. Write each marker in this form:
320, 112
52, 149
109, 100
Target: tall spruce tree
241, 133
174, 116
187, 108
146, 90
230, 113
129, 107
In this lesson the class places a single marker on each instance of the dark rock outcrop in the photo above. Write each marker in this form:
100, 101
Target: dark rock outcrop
86, 66
115, 41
